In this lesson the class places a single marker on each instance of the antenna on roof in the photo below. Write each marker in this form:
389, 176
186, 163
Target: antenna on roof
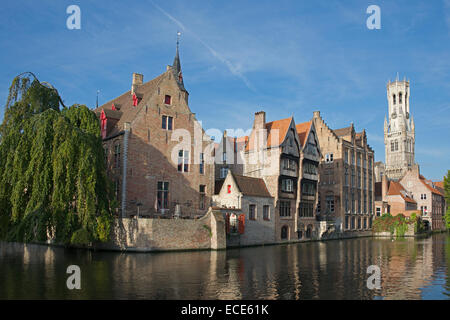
98, 91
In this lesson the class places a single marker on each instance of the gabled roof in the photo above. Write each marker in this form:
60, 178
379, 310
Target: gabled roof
343, 131
277, 127
396, 189
439, 184
250, 186
127, 111
218, 185
303, 131
428, 184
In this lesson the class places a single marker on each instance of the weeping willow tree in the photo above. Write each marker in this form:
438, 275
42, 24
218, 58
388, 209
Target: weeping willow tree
53, 182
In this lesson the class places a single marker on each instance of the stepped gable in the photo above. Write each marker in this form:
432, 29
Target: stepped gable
124, 103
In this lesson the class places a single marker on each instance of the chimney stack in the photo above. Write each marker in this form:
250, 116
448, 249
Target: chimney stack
260, 120
384, 187
138, 79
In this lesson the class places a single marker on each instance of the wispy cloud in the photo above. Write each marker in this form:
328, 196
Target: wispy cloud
231, 67
447, 13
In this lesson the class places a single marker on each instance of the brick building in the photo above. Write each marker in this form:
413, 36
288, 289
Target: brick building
430, 200
228, 155
308, 225
272, 153
156, 151
397, 199
251, 218
286, 159
346, 189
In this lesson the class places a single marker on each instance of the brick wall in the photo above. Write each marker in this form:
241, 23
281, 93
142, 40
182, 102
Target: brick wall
142, 234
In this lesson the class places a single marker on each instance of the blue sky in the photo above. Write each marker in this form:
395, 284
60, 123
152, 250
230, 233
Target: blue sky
238, 57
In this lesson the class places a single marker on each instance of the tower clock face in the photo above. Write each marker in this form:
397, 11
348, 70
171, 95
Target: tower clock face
394, 115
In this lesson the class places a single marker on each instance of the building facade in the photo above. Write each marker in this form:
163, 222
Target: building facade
430, 200
272, 153
309, 222
156, 150
399, 131
346, 189
251, 218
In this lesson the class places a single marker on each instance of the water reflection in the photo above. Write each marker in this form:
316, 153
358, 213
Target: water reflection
410, 269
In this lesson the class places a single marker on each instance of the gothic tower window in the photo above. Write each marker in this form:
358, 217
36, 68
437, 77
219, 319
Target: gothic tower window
396, 145
400, 97
394, 99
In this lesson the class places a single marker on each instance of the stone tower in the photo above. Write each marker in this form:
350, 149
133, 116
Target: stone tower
399, 132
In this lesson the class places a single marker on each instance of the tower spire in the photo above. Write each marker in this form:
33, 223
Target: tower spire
176, 61
177, 64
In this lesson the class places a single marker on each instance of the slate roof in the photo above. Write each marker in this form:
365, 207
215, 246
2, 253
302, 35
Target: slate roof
343, 131
250, 186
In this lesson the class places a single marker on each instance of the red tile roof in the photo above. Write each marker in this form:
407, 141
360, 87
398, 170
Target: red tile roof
303, 131
439, 184
396, 189
428, 183
276, 131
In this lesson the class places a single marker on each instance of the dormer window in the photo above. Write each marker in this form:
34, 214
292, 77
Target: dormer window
168, 99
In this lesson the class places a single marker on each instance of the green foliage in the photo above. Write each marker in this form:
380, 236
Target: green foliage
447, 199
53, 182
81, 236
395, 224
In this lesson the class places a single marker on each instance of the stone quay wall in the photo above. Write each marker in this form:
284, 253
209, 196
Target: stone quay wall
145, 235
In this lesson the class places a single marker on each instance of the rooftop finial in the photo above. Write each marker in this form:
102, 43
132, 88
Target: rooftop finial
396, 79
176, 66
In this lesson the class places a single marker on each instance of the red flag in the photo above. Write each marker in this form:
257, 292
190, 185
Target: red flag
135, 100
241, 220
113, 107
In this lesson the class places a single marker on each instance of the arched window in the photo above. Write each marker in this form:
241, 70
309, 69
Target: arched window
395, 101
284, 233
309, 231
400, 97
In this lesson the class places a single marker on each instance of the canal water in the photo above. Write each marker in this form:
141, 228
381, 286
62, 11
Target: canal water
410, 269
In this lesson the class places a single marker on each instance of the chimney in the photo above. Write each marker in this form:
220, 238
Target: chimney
260, 120
316, 114
384, 187
138, 79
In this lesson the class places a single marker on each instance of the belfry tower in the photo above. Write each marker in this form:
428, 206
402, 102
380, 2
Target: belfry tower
399, 131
